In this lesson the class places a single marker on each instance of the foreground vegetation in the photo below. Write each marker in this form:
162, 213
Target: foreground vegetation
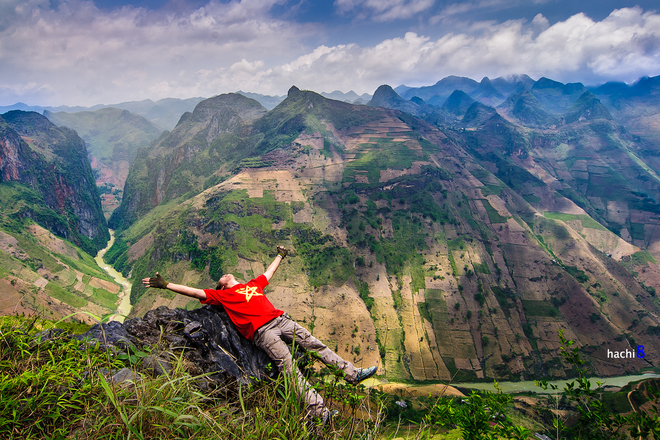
53, 386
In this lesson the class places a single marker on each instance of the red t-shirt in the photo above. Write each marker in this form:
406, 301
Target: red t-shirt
246, 305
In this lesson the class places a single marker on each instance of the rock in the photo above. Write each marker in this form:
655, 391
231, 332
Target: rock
207, 337
123, 375
158, 365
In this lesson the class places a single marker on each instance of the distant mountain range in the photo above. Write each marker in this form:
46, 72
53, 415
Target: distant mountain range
165, 113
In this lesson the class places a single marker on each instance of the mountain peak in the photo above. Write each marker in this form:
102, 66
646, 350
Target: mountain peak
293, 90
587, 107
384, 92
458, 103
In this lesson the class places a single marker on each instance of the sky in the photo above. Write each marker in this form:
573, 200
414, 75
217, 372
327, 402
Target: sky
76, 52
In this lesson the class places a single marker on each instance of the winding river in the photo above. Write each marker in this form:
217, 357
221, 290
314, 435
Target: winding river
124, 307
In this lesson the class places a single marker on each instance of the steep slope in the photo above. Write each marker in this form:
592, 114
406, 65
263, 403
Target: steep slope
47, 169
41, 274
191, 157
112, 137
404, 247
590, 169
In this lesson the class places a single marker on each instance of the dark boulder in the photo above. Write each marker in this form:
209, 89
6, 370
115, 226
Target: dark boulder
205, 338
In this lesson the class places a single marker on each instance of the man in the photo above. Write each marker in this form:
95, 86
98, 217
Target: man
270, 329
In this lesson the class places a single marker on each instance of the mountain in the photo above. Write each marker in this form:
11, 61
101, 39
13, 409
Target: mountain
555, 96
477, 114
112, 137
196, 154
438, 252
487, 93
457, 103
513, 84
440, 91
526, 109
45, 171
44, 275
386, 97
350, 97
587, 108
269, 102
164, 113
636, 106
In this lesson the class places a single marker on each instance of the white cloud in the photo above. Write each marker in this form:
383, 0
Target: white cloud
624, 46
82, 48
80, 55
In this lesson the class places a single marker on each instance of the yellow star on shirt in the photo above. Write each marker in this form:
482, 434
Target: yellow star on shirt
249, 292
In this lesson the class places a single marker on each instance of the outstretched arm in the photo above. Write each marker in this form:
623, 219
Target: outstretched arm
281, 253
159, 283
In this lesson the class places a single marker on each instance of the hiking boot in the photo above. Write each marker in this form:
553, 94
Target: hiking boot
362, 374
327, 415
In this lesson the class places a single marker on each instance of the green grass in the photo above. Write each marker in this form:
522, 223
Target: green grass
585, 220
104, 298
383, 154
56, 291
637, 231
539, 308
493, 215
59, 388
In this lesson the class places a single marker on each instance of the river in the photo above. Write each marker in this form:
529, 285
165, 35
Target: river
124, 307
518, 387
509, 387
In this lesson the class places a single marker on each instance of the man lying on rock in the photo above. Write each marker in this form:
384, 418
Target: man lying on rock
269, 328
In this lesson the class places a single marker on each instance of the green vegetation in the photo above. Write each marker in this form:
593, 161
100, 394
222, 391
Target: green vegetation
493, 215
380, 155
539, 308
60, 388
578, 274
66, 276
505, 297
57, 292
585, 220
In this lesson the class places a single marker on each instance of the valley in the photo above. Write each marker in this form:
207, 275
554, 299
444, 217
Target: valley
438, 241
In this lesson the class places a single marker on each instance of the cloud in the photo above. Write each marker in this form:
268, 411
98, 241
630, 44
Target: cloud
623, 46
85, 48
383, 10
78, 55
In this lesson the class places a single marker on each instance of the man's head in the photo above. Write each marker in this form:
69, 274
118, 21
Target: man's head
226, 281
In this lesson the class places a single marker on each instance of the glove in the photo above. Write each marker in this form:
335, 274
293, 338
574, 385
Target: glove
158, 282
282, 251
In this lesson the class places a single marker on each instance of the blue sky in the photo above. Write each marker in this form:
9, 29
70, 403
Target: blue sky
75, 52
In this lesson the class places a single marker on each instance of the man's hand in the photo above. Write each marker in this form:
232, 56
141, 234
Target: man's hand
282, 251
158, 282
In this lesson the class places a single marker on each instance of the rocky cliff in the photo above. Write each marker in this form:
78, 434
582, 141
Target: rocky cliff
49, 166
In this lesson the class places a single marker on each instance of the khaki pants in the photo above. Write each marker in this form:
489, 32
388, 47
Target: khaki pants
273, 337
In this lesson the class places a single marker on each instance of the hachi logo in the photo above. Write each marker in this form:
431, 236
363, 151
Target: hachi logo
627, 354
